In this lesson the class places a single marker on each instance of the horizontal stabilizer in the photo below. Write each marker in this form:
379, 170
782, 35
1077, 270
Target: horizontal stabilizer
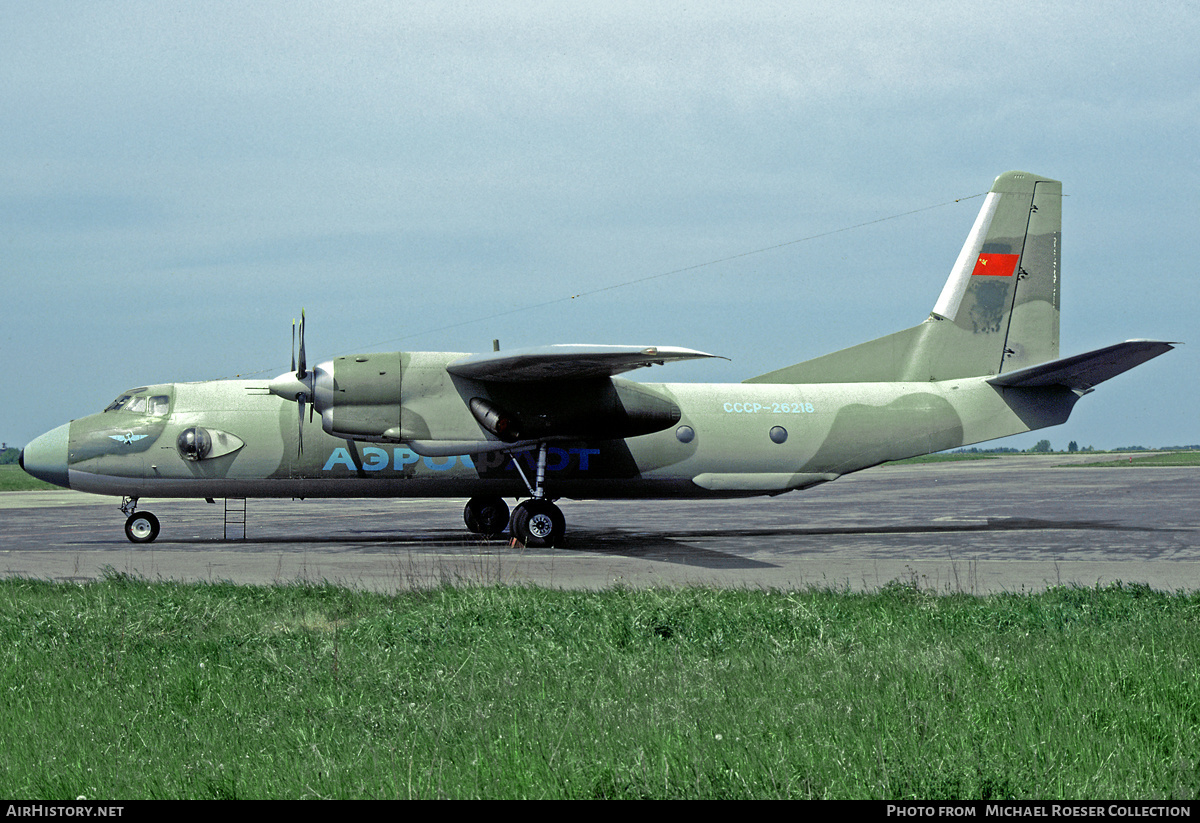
1083, 371
566, 362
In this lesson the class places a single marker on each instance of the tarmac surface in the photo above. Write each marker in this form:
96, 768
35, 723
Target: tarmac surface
1015, 524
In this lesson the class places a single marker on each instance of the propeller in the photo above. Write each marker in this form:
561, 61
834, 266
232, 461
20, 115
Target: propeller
298, 385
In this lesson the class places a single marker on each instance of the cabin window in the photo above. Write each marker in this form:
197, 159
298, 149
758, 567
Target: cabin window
118, 404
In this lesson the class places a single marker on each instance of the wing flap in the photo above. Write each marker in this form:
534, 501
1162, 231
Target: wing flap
566, 362
1083, 371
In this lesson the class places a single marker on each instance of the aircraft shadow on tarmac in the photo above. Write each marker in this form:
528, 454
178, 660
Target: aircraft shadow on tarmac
681, 547
612, 542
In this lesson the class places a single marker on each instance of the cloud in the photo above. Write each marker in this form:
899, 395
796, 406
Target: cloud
215, 166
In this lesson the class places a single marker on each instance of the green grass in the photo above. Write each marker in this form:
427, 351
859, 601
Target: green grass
950, 457
127, 689
14, 479
1161, 459
1174, 458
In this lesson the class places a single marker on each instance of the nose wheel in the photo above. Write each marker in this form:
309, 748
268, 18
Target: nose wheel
140, 527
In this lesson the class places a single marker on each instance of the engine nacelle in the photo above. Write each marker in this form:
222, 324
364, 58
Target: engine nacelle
362, 396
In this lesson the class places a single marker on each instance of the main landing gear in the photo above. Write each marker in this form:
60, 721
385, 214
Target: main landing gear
536, 523
486, 515
140, 527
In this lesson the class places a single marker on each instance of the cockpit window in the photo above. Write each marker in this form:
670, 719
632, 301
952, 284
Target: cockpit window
157, 405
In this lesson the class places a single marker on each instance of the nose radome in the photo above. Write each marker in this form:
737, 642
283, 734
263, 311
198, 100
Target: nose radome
46, 457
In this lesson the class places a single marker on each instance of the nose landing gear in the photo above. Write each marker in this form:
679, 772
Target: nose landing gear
140, 527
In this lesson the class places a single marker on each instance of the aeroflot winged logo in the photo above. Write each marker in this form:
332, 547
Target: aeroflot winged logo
127, 438
996, 265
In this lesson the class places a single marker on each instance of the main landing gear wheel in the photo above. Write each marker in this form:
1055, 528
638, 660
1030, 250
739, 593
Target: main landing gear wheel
141, 527
486, 515
538, 524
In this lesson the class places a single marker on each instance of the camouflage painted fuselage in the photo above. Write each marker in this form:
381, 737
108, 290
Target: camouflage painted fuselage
730, 439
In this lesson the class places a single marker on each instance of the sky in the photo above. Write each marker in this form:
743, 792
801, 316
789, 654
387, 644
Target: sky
768, 182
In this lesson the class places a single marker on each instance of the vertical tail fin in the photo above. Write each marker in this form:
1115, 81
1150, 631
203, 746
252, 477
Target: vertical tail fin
997, 312
1003, 293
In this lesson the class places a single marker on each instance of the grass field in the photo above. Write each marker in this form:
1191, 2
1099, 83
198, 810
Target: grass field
13, 479
951, 457
1128, 460
127, 689
1119, 459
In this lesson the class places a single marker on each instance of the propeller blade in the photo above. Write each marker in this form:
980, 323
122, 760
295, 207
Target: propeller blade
293, 344
300, 426
303, 370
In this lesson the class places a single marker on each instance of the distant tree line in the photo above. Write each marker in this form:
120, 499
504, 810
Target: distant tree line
1043, 447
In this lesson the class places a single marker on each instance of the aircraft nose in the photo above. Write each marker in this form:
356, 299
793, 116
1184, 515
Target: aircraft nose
46, 457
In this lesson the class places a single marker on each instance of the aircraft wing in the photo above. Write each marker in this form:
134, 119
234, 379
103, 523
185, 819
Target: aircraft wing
1083, 371
566, 362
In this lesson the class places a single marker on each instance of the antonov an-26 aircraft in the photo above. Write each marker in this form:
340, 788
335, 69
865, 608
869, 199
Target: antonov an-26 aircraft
553, 422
